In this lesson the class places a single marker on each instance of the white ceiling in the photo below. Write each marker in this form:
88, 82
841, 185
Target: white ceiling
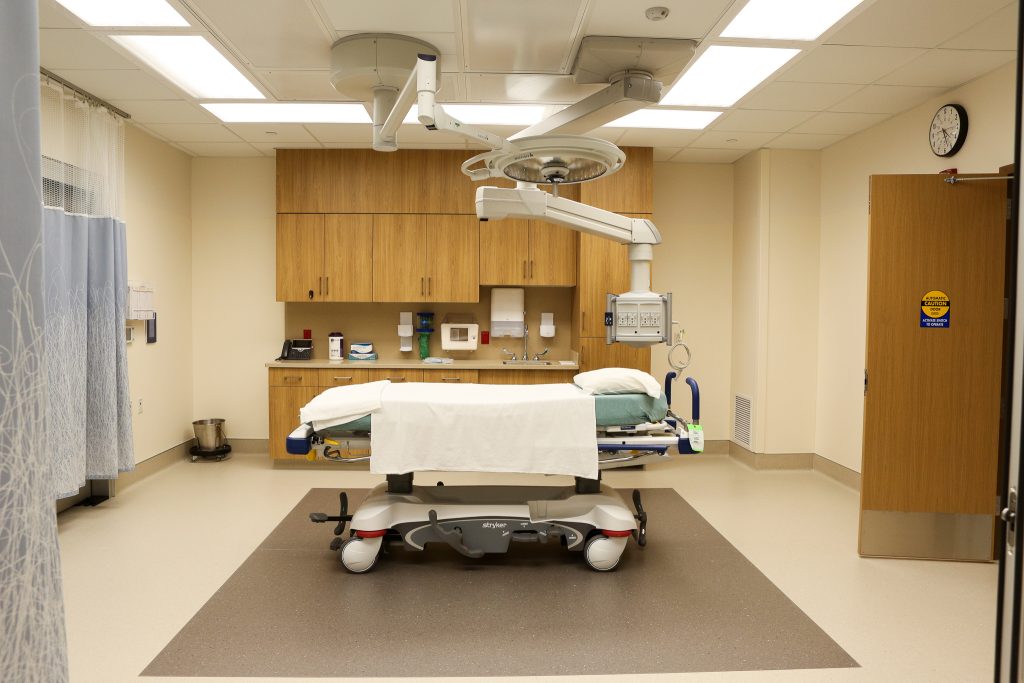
887, 56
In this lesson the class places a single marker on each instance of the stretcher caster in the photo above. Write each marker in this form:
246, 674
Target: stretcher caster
359, 555
602, 554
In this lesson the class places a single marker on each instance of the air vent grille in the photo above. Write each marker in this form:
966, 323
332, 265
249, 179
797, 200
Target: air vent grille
741, 431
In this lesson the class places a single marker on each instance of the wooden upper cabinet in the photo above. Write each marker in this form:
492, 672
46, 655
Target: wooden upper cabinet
300, 257
301, 178
348, 257
504, 252
552, 255
453, 258
630, 190
399, 259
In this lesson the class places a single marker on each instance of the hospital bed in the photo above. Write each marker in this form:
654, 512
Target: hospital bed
588, 516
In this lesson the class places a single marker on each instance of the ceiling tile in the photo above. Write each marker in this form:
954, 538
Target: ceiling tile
271, 33
165, 111
120, 84
657, 137
504, 37
444, 42
665, 153
760, 120
352, 133
193, 132
709, 156
798, 96
802, 141
270, 148
948, 68
272, 132
886, 99
723, 140
913, 23
393, 16
609, 134
848, 64
221, 149
52, 15
686, 18
304, 86
77, 49
998, 32
833, 123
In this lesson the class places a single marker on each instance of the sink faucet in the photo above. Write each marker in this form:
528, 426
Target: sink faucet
511, 353
526, 339
537, 356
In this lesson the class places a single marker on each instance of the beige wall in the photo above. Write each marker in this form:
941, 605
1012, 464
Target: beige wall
237, 324
158, 216
693, 210
898, 145
791, 339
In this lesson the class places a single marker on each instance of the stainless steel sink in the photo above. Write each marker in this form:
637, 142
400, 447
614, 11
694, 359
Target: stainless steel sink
526, 362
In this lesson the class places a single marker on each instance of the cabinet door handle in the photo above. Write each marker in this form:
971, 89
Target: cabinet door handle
430, 286
346, 378
292, 378
396, 379
423, 286
531, 269
327, 285
451, 379
524, 270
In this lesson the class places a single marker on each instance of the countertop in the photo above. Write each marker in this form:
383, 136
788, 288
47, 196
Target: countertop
416, 363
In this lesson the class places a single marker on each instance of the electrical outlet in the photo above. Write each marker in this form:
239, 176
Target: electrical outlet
138, 404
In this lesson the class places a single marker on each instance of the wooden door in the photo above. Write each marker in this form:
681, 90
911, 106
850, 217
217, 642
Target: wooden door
453, 258
348, 257
604, 269
552, 255
285, 403
399, 263
932, 393
596, 353
301, 180
300, 257
504, 252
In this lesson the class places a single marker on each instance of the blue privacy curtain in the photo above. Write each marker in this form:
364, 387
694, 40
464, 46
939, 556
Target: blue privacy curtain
32, 642
88, 410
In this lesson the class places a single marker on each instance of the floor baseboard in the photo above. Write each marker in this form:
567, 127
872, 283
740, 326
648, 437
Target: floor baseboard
795, 461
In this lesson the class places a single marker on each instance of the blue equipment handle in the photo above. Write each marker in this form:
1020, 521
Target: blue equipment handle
694, 389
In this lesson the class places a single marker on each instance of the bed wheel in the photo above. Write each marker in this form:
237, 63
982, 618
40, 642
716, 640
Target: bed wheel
359, 555
602, 554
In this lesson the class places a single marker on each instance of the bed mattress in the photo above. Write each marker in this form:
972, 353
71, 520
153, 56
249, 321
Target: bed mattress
612, 410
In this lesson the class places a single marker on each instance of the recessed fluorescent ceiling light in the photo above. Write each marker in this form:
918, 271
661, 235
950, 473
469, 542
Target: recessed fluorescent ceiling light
289, 112
193, 64
787, 19
666, 118
124, 12
724, 74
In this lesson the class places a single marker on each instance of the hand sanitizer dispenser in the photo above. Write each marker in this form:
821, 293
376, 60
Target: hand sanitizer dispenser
508, 312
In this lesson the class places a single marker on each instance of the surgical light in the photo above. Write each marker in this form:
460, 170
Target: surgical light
681, 119
124, 12
725, 73
288, 112
787, 19
193, 64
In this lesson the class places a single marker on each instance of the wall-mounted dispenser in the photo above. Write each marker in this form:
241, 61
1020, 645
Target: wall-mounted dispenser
508, 312
459, 332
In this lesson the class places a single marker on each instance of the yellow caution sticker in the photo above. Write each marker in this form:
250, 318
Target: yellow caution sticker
935, 309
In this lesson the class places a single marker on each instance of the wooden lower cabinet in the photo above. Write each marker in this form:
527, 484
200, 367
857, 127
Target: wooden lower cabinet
526, 376
595, 353
285, 403
451, 376
340, 377
395, 375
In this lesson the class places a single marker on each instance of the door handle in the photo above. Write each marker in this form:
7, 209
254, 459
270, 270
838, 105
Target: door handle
292, 378
524, 270
346, 378
423, 286
531, 269
430, 286
451, 379
320, 284
327, 286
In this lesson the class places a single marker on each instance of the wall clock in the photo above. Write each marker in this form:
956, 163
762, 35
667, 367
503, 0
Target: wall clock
948, 130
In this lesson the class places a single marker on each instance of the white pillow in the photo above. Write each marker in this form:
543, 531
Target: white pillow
618, 381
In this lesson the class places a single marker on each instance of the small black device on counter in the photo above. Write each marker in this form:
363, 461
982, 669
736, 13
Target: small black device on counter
297, 349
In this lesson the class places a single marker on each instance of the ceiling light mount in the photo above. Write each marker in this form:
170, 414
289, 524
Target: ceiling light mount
367, 62
656, 13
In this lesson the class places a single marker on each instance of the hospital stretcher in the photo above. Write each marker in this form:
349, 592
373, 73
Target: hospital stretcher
589, 516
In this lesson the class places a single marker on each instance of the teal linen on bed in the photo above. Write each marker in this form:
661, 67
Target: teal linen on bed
612, 410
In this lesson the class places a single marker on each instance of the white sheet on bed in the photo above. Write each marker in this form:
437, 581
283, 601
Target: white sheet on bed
339, 405
541, 428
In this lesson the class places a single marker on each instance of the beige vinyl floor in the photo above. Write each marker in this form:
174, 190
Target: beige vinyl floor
137, 567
